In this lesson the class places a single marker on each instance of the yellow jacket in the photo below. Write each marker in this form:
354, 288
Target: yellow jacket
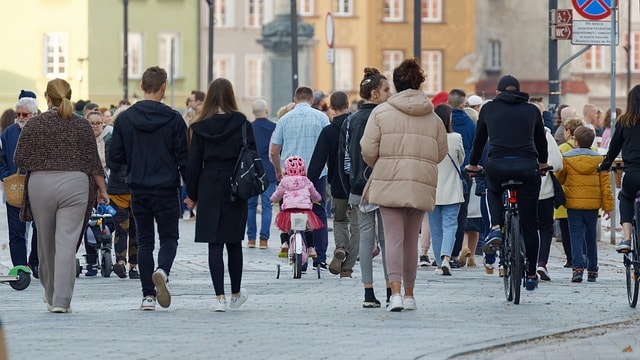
584, 187
561, 212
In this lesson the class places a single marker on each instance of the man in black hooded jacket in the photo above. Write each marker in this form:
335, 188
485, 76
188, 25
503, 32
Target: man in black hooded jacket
150, 138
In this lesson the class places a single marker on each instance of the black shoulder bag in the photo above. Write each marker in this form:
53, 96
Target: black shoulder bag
249, 178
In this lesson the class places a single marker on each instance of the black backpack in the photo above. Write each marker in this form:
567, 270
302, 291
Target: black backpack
249, 178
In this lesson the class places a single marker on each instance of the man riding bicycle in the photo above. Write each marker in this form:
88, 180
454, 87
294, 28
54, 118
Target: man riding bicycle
517, 150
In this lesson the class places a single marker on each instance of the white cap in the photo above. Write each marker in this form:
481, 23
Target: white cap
474, 100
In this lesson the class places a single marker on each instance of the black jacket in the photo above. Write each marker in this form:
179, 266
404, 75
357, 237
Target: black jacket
151, 139
514, 126
625, 139
117, 182
326, 152
354, 175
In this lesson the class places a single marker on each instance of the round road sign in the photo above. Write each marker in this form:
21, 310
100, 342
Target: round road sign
329, 30
593, 9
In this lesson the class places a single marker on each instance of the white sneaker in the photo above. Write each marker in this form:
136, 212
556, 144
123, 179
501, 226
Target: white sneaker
410, 303
148, 303
439, 271
446, 267
163, 295
220, 305
395, 303
236, 302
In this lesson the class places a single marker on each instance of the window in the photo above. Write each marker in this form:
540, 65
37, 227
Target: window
223, 13
635, 52
254, 70
56, 54
494, 54
393, 10
166, 40
390, 60
255, 13
305, 8
431, 10
223, 67
135, 55
344, 69
343, 8
594, 59
432, 66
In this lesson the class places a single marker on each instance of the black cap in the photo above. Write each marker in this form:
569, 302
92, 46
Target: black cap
26, 94
508, 83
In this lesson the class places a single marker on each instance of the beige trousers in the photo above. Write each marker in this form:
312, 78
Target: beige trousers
58, 203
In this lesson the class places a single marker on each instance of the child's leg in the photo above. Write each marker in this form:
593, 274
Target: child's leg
284, 238
591, 217
308, 236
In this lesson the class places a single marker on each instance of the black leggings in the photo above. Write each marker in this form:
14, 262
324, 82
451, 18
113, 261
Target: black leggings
525, 170
630, 186
216, 266
308, 238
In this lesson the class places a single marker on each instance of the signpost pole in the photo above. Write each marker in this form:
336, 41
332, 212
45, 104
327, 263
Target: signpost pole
612, 239
554, 78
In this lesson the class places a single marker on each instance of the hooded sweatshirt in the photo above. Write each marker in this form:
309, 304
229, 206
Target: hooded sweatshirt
515, 127
150, 138
404, 140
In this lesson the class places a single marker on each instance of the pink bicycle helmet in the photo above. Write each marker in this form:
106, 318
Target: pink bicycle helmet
294, 165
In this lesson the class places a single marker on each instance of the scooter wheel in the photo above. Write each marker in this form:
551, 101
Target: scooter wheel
24, 279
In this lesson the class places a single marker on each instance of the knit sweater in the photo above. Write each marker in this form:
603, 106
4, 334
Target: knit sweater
50, 143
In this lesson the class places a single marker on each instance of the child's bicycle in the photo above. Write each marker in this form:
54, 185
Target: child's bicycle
99, 235
19, 277
297, 247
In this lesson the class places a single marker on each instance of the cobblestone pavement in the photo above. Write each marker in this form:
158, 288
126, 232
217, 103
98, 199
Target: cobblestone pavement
464, 316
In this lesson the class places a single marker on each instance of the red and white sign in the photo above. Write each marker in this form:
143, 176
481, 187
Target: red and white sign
593, 9
562, 32
563, 16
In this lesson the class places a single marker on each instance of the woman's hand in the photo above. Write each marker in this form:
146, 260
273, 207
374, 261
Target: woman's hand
190, 203
103, 197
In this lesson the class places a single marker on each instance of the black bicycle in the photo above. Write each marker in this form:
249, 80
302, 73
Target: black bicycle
512, 249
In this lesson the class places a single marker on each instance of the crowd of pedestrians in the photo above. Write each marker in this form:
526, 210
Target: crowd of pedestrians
395, 173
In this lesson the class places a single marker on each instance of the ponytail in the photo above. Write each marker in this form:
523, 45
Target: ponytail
65, 110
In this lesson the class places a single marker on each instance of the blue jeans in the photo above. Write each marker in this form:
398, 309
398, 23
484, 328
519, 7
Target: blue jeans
443, 221
582, 226
321, 236
265, 223
165, 211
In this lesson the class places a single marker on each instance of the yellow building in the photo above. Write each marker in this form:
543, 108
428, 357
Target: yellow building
380, 34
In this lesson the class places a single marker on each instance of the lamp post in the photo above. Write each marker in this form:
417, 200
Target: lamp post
294, 45
125, 67
210, 50
417, 34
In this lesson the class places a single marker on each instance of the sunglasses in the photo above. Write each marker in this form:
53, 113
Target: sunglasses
21, 114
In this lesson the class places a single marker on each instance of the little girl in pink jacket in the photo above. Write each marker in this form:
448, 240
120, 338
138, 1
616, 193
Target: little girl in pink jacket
297, 194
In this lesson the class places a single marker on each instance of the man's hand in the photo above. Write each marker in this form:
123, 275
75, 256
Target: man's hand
473, 168
190, 203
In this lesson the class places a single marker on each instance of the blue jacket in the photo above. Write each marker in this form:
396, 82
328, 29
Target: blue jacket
465, 126
9, 140
262, 130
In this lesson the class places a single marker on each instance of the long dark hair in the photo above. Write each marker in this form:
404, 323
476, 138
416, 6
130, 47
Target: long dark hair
631, 116
220, 97
444, 112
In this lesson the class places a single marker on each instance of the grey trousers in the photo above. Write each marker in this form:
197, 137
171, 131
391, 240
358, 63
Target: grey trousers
370, 229
58, 203
346, 231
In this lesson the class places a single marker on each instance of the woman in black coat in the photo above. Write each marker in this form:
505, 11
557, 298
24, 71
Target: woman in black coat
215, 139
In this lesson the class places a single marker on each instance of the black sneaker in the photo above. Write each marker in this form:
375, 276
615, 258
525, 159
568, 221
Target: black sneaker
567, 264
371, 304
624, 246
120, 270
454, 264
134, 274
323, 265
424, 260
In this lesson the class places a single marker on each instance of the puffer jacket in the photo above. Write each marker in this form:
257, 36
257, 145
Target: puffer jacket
584, 187
296, 192
404, 140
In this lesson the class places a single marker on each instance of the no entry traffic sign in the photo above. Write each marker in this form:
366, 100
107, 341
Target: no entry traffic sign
593, 9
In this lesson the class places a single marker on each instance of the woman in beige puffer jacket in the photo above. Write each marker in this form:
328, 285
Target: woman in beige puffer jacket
403, 142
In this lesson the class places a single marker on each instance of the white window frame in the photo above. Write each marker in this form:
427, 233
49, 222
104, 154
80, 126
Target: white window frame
164, 52
56, 44
396, 11
218, 59
344, 69
635, 52
255, 19
597, 55
427, 5
135, 55
343, 8
223, 13
494, 55
306, 8
433, 68
390, 60
253, 76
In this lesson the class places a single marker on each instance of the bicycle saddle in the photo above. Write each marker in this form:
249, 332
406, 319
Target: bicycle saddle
511, 183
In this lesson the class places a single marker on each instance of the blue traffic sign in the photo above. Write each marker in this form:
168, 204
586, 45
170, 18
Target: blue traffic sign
593, 9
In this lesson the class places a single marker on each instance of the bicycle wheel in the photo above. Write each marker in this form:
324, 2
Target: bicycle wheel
106, 263
297, 255
631, 264
506, 258
517, 266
